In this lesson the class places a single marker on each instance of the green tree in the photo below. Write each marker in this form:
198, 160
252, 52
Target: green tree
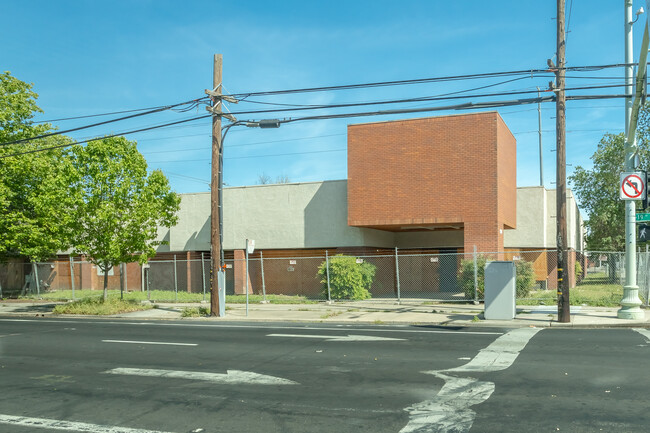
597, 192
118, 207
33, 186
17, 109
348, 279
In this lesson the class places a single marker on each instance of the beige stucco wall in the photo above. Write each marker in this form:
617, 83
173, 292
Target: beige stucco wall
531, 231
295, 215
314, 215
536, 220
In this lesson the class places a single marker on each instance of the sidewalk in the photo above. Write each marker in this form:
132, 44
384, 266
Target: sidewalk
373, 312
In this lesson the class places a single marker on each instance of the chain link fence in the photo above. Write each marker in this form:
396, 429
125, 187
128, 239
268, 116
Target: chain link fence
401, 275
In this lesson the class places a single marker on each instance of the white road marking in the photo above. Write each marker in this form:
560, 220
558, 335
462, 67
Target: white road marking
227, 326
449, 410
53, 424
501, 353
338, 337
149, 342
644, 332
231, 377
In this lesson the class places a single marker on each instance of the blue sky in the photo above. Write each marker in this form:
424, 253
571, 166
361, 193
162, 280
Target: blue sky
88, 57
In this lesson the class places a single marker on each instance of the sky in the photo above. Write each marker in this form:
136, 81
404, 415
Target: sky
94, 57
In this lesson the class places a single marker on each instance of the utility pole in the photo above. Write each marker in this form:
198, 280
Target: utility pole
539, 125
215, 181
563, 303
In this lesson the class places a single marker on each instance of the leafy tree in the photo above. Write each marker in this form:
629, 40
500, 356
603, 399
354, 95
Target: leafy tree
118, 207
33, 186
35, 202
597, 189
348, 279
17, 109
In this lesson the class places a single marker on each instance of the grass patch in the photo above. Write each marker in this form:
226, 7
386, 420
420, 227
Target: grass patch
156, 295
272, 299
168, 296
595, 291
195, 312
97, 307
331, 314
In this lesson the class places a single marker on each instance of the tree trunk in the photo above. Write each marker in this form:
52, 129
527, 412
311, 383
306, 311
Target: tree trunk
105, 284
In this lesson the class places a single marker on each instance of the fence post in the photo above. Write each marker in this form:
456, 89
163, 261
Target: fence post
263, 282
72, 275
38, 286
203, 275
399, 295
175, 281
327, 272
621, 258
121, 281
475, 277
246, 278
126, 282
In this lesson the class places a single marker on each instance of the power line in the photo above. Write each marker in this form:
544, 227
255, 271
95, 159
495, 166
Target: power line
134, 110
167, 107
463, 106
530, 72
416, 99
43, 149
243, 144
251, 156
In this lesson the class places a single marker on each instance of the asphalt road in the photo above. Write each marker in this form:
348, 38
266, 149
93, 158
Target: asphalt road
136, 377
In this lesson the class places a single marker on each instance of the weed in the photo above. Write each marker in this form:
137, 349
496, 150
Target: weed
99, 307
195, 312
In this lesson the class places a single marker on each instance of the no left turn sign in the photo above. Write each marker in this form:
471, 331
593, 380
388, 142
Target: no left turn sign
632, 186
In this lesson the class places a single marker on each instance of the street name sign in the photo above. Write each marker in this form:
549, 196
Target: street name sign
641, 217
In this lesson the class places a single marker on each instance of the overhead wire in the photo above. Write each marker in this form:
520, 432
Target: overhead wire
429, 80
463, 106
50, 134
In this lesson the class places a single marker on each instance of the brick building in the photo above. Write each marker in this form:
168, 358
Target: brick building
429, 185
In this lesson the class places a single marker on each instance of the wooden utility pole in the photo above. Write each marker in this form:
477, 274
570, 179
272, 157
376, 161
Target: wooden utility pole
563, 303
215, 189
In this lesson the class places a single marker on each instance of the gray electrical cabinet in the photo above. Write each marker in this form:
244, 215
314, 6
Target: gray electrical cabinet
500, 290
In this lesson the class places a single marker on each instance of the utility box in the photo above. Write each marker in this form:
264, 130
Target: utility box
500, 290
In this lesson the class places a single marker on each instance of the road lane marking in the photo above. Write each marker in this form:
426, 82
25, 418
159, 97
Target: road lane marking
230, 377
149, 342
266, 327
338, 337
53, 424
501, 353
644, 332
449, 411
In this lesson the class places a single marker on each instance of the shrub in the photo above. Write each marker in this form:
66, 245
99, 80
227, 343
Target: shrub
525, 277
578, 271
348, 279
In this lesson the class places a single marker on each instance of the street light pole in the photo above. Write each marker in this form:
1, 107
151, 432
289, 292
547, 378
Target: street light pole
630, 303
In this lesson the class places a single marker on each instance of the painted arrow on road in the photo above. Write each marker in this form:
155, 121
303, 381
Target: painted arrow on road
231, 377
338, 337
